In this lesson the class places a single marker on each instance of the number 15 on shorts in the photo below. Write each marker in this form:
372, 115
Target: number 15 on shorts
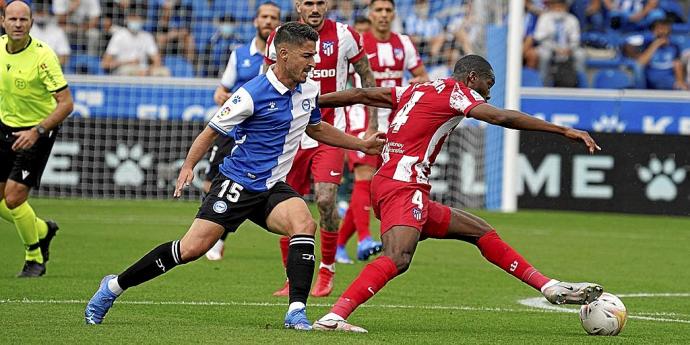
233, 193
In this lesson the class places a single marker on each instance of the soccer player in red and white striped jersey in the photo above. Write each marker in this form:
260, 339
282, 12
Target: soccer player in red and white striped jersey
338, 47
424, 115
390, 54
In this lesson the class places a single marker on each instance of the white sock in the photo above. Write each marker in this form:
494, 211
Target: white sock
295, 306
551, 283
330, 267
332, 316
114, 287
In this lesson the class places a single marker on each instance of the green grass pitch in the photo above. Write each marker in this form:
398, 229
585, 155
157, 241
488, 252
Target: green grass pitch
451, 295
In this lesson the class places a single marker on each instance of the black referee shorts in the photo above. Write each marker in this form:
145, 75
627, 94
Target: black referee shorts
228, 204
25, 166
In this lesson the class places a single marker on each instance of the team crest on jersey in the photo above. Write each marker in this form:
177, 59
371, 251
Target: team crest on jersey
246, 63
417, 213
328, 48
398, 53
306, 105
220, 206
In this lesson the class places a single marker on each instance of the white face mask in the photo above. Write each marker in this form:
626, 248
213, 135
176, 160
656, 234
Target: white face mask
227, 29
135, 25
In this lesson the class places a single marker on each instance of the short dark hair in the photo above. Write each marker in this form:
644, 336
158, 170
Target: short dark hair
266, 3
373, 1
362, 20
295, 33
469, 63
661, 21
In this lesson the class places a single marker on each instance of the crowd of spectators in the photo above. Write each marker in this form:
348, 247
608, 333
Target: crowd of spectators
566, 42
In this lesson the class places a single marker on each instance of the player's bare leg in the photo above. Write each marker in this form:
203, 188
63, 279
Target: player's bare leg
360, 206
399, 245
470, 228
329, 222
292, 218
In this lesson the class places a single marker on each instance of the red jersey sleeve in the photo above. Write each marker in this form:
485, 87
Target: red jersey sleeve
396, 95
355, 48
464, 99
271, 55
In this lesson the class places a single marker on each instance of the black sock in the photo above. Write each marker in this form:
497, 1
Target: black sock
300, 267
158, 261
225, 235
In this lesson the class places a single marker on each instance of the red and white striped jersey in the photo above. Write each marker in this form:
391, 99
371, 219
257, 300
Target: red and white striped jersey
425, 114
388, 60
338, 46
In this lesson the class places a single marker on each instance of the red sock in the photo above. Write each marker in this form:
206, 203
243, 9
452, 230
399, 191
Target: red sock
373, 278
347, 228
284, 248
329, 242
502, 255
360, 203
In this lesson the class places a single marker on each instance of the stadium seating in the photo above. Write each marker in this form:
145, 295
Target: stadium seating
531, 78
612, 79
179, 66
84, 64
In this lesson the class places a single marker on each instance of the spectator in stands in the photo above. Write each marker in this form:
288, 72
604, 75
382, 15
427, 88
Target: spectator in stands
632, 14
133, 51
657, 58
362, 24
558, 37
441, 66
530, 55
346, 11
80, 20
216, 51
173, 30
463, 29
46, 29
593, 16
426, 32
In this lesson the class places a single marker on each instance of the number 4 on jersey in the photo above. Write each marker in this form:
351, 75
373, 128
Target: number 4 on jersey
417, 199
401, 117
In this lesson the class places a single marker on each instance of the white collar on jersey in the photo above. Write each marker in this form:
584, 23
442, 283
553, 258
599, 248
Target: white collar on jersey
282, 89
252, 47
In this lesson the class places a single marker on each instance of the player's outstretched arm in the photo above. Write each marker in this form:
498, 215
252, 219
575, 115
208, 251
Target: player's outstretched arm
199, 148
519, 120
379, 97
327, 134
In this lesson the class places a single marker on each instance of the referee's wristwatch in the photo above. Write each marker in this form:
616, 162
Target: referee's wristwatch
42, 131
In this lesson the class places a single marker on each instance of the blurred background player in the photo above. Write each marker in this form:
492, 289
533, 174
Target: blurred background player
338, 46
390, 54
34, 100
244, 64
424, 116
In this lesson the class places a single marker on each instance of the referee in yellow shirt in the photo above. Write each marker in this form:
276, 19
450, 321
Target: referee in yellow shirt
34, 100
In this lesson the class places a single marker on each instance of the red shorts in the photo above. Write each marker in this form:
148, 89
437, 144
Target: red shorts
408, 204
321, 164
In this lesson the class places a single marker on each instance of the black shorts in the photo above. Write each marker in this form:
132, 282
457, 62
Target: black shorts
221, 149
228, 204
25, 166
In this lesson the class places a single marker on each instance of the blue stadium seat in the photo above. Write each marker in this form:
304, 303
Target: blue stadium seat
84, 64
179, 66
202, 31
238, 9
531, 78
612, 79
582, 81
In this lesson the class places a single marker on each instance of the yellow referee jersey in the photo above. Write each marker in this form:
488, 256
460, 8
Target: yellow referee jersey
28, 79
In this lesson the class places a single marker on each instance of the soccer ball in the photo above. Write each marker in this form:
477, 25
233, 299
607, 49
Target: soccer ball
605, 316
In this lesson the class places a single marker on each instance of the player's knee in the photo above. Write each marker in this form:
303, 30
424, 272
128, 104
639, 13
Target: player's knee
325, 203
192, 251
402, 261
13, 200
305, 227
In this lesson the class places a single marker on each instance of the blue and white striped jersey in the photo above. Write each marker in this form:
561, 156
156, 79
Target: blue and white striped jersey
269, 121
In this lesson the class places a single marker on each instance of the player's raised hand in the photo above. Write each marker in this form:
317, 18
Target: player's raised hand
583, 136
183, 180
373, 145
